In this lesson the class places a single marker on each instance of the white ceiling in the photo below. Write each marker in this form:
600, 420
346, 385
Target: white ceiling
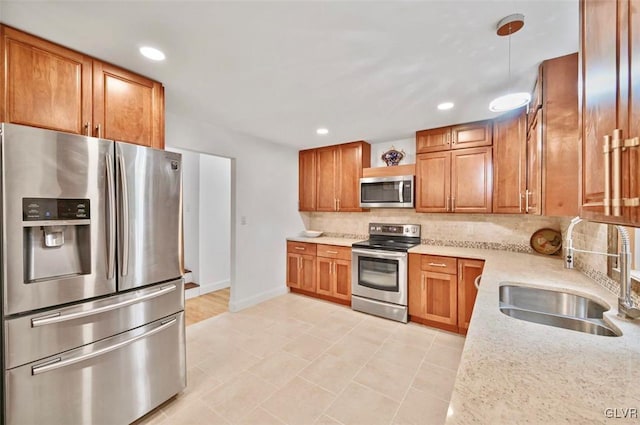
370, 71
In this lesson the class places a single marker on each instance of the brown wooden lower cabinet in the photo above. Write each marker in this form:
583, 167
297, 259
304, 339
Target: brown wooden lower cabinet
324, 274
442, 299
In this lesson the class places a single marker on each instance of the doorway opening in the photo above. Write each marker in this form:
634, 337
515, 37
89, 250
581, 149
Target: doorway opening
206, 207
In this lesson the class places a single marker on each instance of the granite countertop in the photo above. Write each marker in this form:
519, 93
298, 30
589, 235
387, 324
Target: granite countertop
326, 240
513, 371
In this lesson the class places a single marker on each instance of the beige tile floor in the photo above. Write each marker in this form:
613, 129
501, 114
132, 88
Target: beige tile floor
296, 360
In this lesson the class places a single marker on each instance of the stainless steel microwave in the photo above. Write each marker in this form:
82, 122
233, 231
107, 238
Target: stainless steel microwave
387, 192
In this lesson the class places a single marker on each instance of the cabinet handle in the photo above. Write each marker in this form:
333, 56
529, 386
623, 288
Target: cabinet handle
447, 206
99, 131
526, 200
332, 252
437, 264
520, 202
87, 128
476, 282
453, 138
299, 248
453, 204
607, 175
448, 138
616, 146
338, 204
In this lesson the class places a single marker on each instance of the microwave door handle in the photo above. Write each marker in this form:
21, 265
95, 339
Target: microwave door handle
401, 191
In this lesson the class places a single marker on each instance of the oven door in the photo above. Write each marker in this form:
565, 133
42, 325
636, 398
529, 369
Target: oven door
380, 275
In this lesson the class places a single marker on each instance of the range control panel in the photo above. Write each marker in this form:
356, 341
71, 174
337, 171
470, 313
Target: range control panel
37, 209
411, 230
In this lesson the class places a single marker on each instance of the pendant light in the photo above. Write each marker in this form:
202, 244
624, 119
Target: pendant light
507, 26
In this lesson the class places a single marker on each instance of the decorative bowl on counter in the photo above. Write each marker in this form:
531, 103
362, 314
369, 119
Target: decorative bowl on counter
311, 233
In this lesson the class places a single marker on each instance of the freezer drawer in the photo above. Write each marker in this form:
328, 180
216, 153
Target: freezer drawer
39, 335
113, 381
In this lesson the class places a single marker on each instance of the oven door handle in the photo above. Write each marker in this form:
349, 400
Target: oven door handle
379, 254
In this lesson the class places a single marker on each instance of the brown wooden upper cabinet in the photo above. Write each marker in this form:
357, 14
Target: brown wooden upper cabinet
610, 107
49, 86
455, 181
510, 162
535, 163
127, 106
329, 177
461, 136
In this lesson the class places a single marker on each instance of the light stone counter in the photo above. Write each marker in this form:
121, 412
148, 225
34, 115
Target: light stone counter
325, 240
513, 371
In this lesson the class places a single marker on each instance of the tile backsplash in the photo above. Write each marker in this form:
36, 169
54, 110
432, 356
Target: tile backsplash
510, 232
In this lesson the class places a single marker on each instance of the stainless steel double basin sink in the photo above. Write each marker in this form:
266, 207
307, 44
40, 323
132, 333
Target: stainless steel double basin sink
555, 308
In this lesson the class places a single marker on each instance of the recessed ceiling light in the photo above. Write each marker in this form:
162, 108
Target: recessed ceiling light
445, 105
152, 53
322, 131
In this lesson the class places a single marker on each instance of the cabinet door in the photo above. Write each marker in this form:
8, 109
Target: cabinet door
342, 276
415, 292
599, 35
324, 275
434, 140
468, 271
634, 104
44, 85
307, 180
433, 182
509, 163
471, 180
440, 301
308, 273
348, 177
533, 197
127, 107
326, 199
294, 264
471, 135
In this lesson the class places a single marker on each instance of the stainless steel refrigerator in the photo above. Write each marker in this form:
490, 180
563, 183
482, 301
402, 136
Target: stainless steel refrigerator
92, 294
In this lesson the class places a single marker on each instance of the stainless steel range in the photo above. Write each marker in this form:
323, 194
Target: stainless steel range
379, 270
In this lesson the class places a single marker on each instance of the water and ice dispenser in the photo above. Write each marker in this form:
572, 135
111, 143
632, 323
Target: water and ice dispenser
57, 238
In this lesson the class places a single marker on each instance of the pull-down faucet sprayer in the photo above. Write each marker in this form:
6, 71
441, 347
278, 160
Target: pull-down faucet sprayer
625, 304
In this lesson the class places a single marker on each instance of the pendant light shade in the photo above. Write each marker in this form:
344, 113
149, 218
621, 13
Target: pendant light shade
506, 27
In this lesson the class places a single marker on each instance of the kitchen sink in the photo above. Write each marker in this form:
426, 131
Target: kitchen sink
555, 308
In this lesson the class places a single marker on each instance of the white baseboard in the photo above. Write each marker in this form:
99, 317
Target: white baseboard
257, 299
205, 288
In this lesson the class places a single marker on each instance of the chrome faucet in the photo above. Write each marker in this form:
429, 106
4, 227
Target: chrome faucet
625, 304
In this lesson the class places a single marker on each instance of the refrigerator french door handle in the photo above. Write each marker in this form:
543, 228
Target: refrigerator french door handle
57, 317
124, 195
111, 217
58, 363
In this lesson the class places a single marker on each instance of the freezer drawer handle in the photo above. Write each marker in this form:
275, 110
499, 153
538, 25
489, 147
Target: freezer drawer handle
57, 363
57, 317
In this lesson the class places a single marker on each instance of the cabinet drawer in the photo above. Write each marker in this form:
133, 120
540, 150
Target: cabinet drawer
301, 248
437, 264
332, 251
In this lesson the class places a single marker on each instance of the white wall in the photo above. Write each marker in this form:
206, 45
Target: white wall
215, 223
264, 190
406, 145
191, 208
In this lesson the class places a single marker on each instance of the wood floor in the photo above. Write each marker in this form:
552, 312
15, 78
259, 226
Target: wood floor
205, 306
